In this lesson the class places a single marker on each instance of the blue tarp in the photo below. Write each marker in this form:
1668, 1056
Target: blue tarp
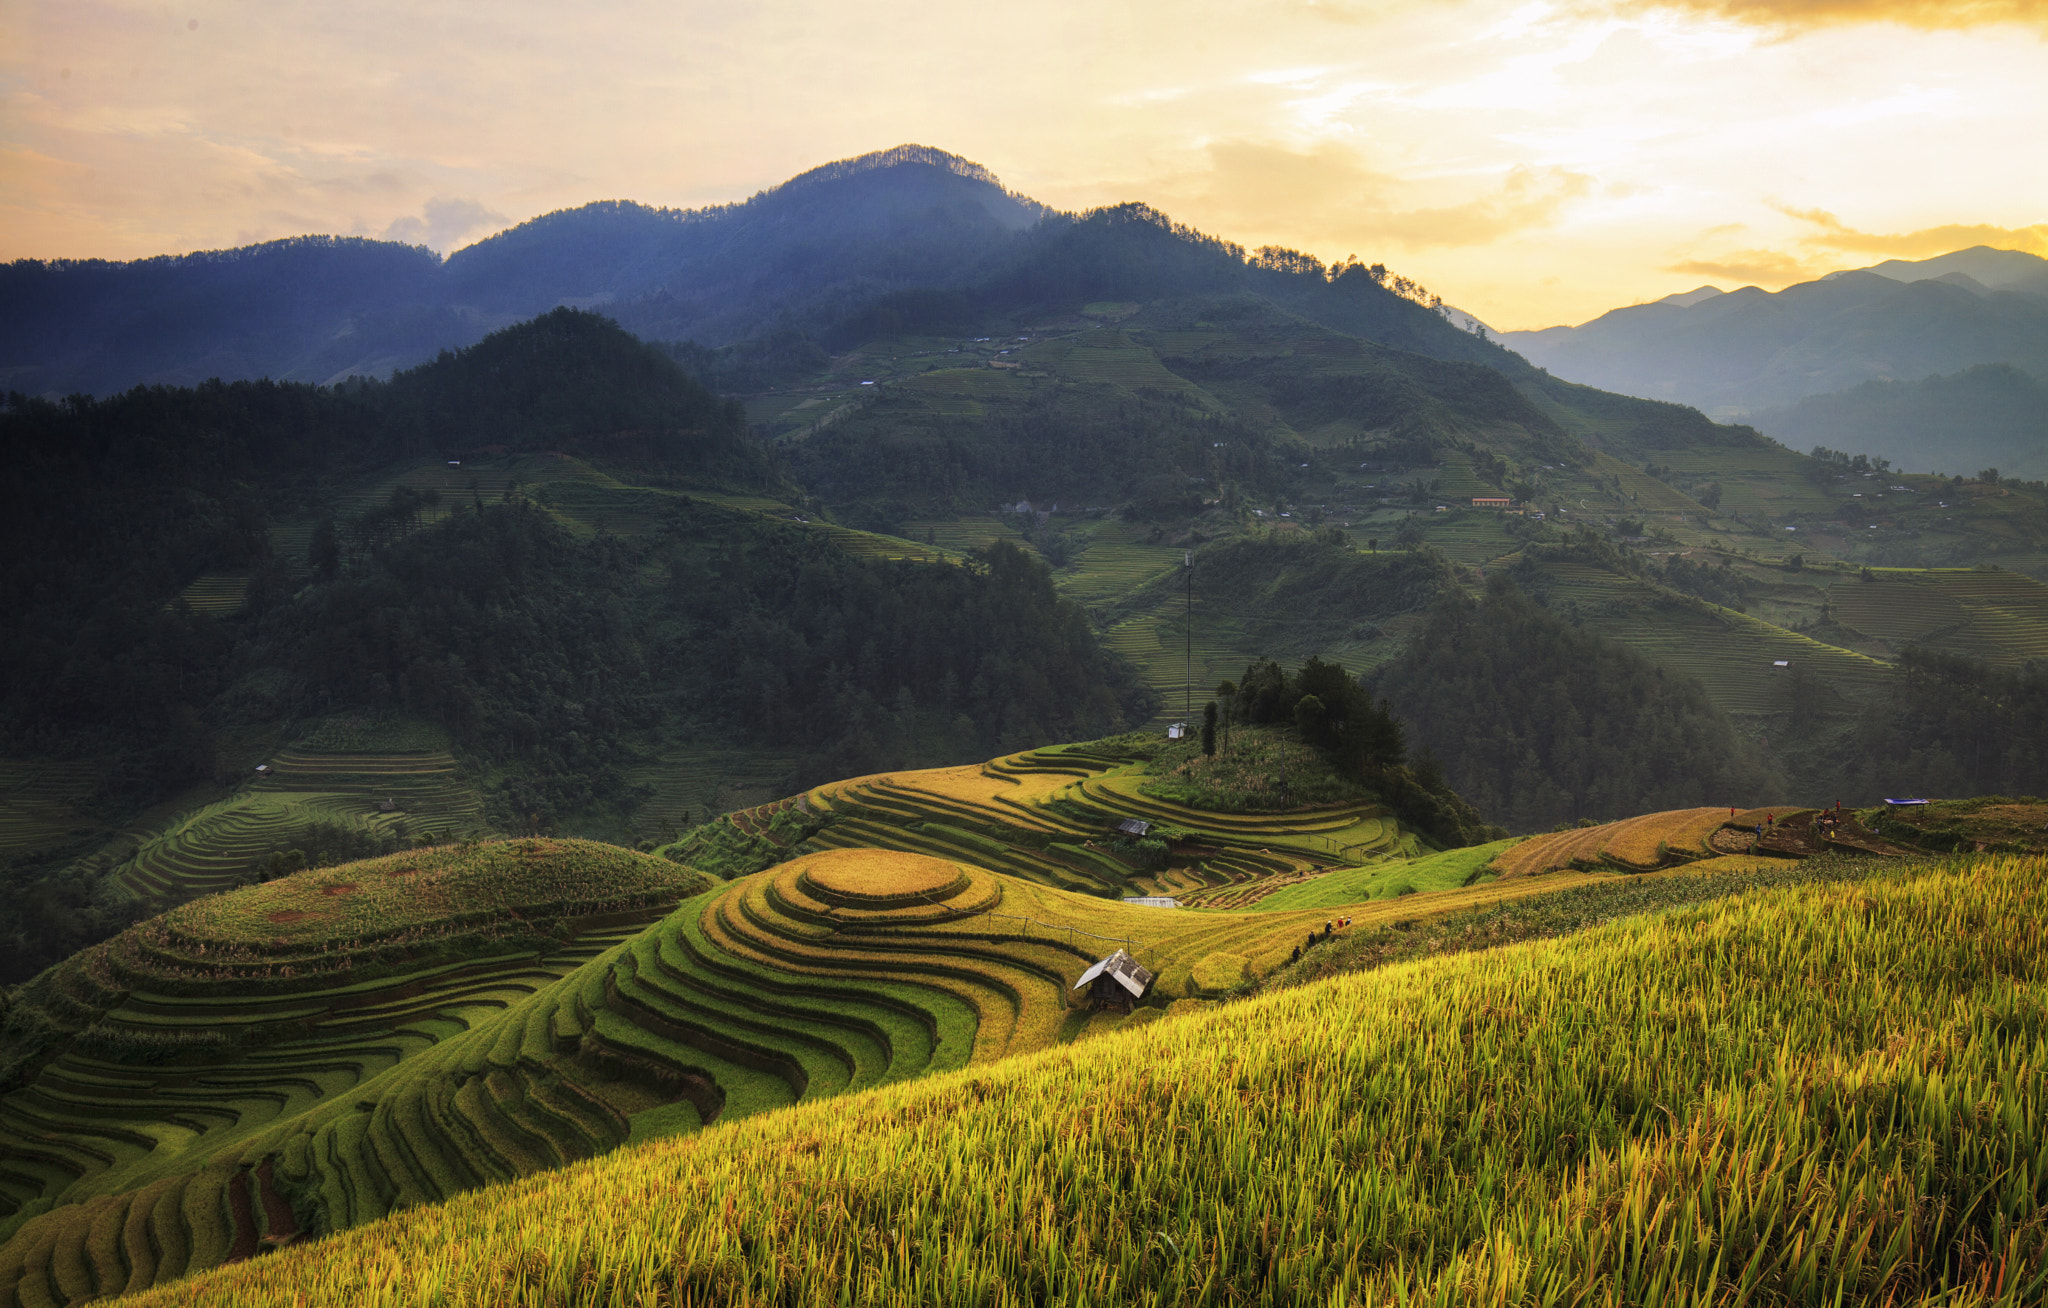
1901, 803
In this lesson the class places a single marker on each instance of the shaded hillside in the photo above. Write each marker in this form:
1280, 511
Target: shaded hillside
189, 481
1989, 416
1751, 350
1537, 722
811, 249
310, 308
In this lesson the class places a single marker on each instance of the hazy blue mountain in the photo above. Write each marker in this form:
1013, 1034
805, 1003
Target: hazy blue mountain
1979, 266
901, 240
1989, 416
1750, 350
306, 309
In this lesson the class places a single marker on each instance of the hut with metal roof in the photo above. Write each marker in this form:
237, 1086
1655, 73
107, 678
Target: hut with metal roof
1115, 982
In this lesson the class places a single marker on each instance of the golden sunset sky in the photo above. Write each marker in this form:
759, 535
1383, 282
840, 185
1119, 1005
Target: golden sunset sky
1533, 163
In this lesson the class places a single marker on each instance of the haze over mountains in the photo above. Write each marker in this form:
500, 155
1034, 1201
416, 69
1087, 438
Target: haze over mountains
1889, 360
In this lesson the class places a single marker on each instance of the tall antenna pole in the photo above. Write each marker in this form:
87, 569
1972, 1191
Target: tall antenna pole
1187, 562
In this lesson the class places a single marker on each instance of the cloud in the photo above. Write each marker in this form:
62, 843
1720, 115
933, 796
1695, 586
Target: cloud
444, 223
1821, 249
1527, 198
1267, 191
1834, 234
1804, 15
1752, 267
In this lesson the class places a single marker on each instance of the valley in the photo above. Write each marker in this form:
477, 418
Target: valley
930, 749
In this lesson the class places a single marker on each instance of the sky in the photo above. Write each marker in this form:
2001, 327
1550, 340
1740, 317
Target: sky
1533, 163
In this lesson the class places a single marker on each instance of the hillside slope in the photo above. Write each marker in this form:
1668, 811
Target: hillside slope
306, 1055
1746, 1125
1751, 349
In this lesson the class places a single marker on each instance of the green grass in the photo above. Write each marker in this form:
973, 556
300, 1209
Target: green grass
268, 1021
399, 1031
1448, 870
1731, 654
1990, 614
1826, 1095
218, 593
1106, 356
43, 803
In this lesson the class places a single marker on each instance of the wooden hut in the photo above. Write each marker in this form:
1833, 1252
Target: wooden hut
1115, 983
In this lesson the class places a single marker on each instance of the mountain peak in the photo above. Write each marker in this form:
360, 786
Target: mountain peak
896, 157
1687, 299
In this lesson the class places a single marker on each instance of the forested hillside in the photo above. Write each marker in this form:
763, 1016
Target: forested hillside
1539, 723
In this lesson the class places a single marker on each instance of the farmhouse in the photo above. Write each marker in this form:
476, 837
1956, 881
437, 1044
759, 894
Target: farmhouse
1492, 502
1134, 826
1115, 982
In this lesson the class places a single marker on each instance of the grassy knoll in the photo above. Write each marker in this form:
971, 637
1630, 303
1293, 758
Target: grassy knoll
317, 790
1987, 822
309, 1053
1450, 870
1821, 1095
1634, 844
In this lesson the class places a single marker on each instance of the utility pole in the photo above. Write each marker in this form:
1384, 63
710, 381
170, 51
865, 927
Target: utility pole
1187, 563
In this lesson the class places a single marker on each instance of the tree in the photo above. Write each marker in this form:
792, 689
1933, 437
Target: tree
1312, 719
1209, 728
323, 553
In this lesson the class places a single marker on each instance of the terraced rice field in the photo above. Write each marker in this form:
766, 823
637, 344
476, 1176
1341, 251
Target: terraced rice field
1155, 641
1994, 615
309, 1050
425, 786
1051, 817
216, 592
1472, 537
1731, 654
40, 803
318, 1052
962, 535
1769, 1152
323, 1050
1647, 494
695, 786
1106, 356
1636, 844
1113, 566
212, 848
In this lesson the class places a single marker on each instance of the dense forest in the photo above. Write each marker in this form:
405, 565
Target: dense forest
521, 641
1538, 722
187, 481
1954, 726
896, 460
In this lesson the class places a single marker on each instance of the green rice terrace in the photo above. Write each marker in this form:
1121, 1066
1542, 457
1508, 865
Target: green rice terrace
1991, 614
393, 794
324, 1049
39, 802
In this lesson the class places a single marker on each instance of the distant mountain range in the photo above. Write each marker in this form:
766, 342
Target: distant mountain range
1739, 353
1888, 360
910, 239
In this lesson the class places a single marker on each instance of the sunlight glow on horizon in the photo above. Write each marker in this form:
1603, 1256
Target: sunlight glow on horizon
1533, 163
